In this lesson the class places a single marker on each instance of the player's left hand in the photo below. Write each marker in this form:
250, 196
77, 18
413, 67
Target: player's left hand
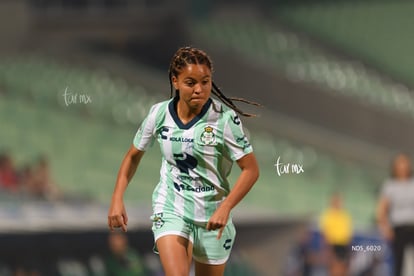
218, 220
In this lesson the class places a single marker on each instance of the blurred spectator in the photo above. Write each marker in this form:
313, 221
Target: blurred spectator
8, 176
336, 228
26, 177
40, 183
123, 260
302, 258
395, 209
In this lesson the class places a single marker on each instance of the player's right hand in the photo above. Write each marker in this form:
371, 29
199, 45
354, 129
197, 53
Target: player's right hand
117, 216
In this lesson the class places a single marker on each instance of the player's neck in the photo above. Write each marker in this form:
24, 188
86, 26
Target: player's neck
185, 113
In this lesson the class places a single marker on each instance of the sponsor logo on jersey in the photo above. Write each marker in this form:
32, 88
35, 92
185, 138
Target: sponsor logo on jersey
208, 137
199, 189
188, 178
163, 132
181, 139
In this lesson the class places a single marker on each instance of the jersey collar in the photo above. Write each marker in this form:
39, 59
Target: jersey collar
173, 111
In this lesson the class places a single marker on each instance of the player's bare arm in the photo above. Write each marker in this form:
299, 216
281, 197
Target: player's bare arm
117, 216
248, 176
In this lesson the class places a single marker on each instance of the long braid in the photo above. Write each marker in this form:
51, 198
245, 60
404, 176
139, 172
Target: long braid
229, 101
190, 55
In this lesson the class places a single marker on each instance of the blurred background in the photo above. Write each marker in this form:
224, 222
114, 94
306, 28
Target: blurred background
77, 78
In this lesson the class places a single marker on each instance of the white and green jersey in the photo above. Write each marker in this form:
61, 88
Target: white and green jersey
196, 157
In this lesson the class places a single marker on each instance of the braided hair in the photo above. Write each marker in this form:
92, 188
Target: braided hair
191, 55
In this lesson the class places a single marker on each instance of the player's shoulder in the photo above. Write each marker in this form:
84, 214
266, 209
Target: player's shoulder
159, 106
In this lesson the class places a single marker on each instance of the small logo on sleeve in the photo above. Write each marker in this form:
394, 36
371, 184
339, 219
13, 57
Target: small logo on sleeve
236, 120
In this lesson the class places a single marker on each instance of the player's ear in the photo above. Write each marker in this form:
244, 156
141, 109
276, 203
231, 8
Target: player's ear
174, 80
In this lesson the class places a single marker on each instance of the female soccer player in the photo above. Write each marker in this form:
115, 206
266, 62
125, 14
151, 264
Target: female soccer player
199, 137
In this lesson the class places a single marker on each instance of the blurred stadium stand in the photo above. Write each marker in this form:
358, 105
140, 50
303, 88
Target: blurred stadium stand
346, 97
338, 111
378, 34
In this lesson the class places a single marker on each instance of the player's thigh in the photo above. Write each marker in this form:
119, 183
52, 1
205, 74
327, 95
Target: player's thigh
173, 238
175, 254
202, 269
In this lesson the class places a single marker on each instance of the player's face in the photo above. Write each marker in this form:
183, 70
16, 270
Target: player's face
194, 85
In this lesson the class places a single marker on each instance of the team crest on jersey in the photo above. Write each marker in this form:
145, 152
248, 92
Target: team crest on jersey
208, 137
